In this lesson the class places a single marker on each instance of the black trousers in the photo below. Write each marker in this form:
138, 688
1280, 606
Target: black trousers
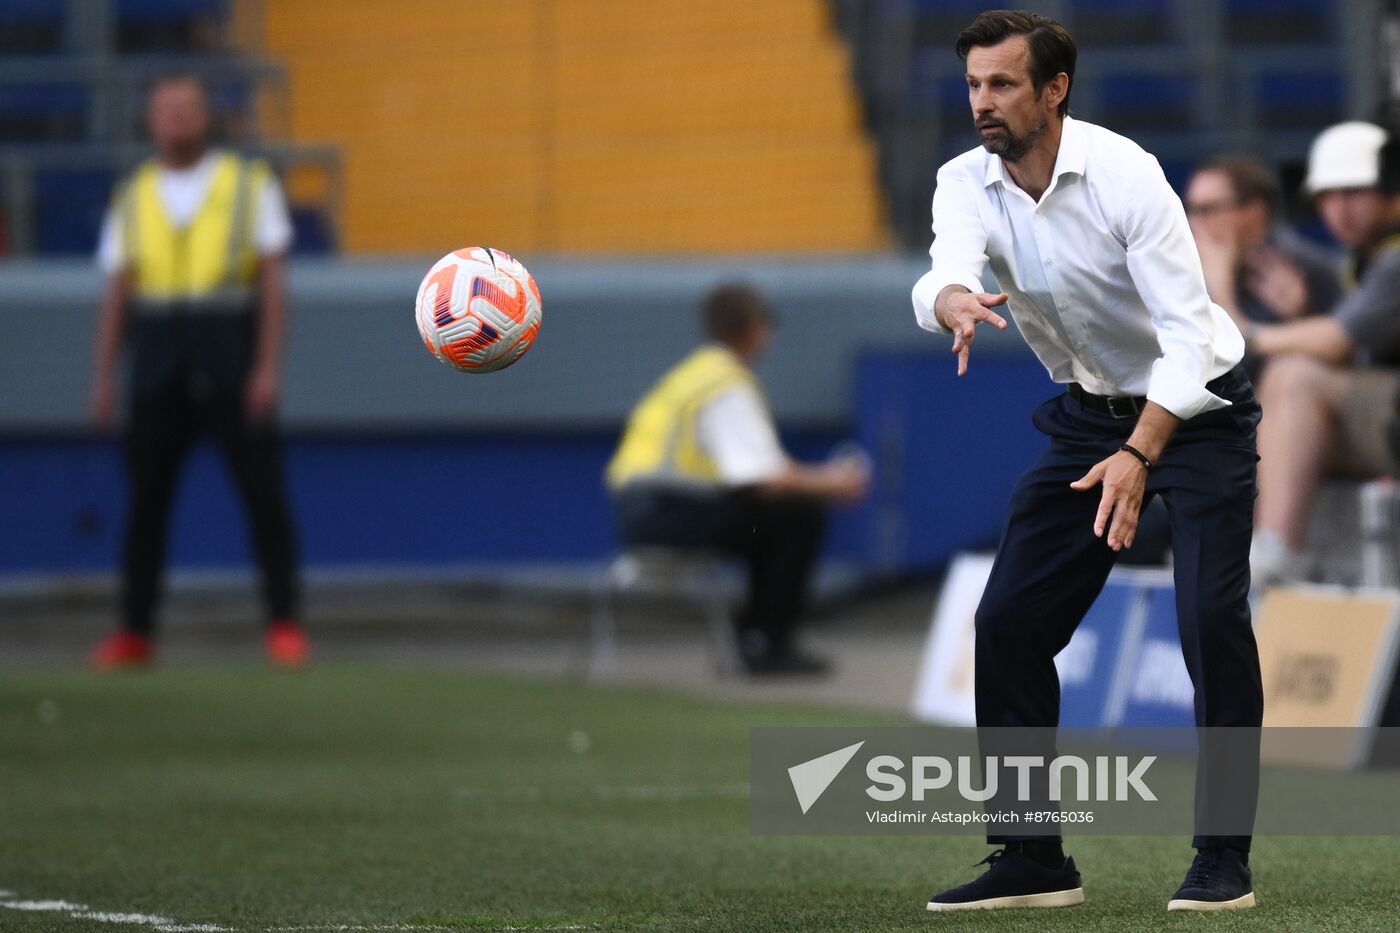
1050, 568
779, 537
164, 423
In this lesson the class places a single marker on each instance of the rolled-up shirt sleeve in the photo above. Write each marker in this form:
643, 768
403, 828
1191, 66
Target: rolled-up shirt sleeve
959, 249
1166, 269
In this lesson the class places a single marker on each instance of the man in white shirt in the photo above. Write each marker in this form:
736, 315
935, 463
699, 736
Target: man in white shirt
193, 248
1095, 261
700, 466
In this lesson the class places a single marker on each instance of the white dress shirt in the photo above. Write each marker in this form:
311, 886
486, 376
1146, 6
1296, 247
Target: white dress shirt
182, 192
736, 430
1102, 275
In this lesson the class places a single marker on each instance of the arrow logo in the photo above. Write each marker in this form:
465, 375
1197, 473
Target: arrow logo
811, 778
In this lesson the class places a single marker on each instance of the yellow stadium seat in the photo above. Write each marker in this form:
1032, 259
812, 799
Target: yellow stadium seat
584, 126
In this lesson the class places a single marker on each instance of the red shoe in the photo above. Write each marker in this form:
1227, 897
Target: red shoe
287, 646
122, 651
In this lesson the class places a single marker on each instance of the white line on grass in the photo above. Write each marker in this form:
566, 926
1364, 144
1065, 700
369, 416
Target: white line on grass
167, 925
82, 912
163, 924
607, 792
407, 928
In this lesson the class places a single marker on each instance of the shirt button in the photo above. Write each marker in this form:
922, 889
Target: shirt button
1049, 262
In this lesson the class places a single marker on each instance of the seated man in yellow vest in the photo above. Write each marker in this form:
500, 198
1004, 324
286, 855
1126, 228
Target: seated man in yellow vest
193, 249
700, 465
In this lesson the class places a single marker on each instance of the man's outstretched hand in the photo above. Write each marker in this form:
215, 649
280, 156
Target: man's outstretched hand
961, 311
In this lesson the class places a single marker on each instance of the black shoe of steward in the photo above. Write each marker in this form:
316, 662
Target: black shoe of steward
1219, 879
761, 657
1014, 879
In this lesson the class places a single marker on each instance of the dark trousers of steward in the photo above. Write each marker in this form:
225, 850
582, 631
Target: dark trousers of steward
778, 537
1050, 567
187, 379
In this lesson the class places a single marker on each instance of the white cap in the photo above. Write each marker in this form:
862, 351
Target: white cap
1347, 155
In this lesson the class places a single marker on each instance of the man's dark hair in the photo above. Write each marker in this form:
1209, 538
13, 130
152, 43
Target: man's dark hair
731, 311
1051, 49
1250, 179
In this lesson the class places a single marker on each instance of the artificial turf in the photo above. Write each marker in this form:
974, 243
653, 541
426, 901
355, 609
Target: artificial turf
373, 797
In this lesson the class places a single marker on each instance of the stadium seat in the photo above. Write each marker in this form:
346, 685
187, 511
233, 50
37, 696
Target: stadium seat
594, 126
314, 235
1299, 100
49, 112
692, 576
171, 25
68, 207
31, 27
1137, 101
1123, 22
1270, 22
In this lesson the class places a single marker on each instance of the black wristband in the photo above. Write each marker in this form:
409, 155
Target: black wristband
1141, 457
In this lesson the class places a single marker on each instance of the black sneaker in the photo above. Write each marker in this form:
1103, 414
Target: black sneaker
1014, 879
1219, 879
762, 657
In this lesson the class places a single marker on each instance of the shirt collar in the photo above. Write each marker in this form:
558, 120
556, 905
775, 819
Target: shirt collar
1069, 160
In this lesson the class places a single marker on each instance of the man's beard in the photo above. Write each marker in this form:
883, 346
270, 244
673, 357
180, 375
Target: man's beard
1009, 146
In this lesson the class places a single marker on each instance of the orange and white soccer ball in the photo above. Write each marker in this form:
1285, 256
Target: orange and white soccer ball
478, 310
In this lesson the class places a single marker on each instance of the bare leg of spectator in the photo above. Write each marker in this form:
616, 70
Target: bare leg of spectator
1296, 440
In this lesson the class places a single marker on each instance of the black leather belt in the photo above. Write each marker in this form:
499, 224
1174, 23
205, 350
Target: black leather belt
1119, 406
1125, 406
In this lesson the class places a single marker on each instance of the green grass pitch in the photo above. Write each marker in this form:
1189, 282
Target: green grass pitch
371, 797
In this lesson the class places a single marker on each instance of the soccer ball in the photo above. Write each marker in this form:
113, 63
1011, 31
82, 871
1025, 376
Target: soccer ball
478, 310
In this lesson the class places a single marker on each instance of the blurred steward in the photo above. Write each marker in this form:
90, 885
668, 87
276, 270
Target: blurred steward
1329, 389
1257, 269
700, 466
194, 248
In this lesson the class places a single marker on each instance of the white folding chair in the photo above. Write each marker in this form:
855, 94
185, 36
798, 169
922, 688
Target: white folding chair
689, 575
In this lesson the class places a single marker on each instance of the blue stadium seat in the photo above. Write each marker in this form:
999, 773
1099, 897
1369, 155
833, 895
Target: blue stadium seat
1123, 22
1146, 102
168, 10
1296, 100
313, 231
171, 25
29, 27
1266, 22
68, 209
43, 112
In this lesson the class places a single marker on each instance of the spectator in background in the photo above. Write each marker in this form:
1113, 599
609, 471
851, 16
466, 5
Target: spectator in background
1330, 387
1258, 270
700, 466
193, 247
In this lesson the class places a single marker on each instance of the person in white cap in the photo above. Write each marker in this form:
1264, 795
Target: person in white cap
1330, 387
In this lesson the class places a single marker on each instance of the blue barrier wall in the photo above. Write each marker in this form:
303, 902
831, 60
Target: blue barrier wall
948, 449
412, 501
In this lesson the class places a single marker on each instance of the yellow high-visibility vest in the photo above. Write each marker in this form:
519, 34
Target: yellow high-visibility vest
660, 443
211, 262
